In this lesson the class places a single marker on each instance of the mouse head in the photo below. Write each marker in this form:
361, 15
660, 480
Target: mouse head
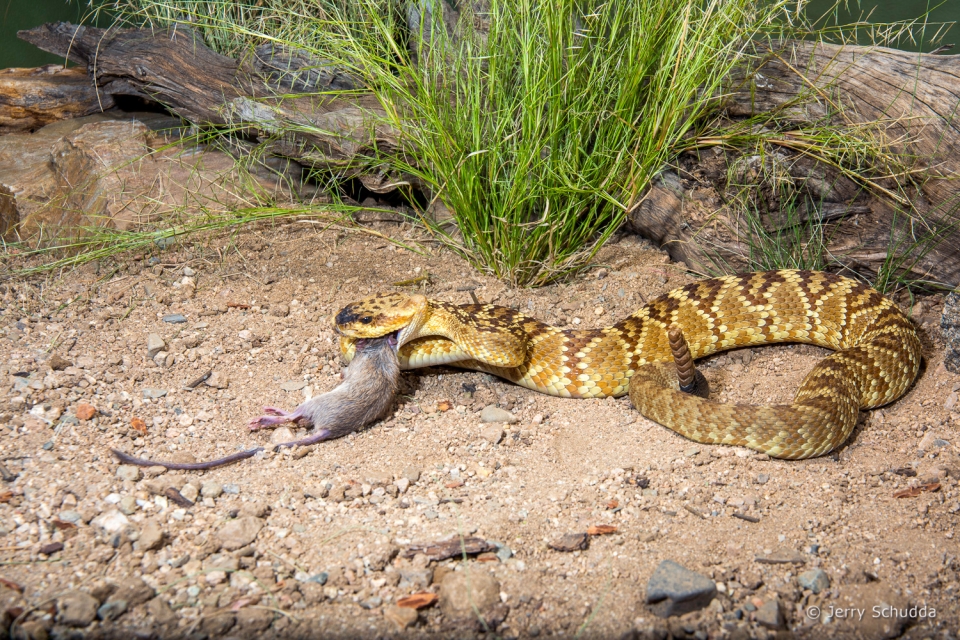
380, 315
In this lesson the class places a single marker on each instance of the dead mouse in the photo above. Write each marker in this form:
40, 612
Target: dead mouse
365, 395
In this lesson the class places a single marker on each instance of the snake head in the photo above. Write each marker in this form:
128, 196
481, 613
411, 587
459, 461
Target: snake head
378, 316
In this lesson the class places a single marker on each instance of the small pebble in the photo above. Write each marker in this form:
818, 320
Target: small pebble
233, 489
211, 489
492, 413
155, 345
175, 318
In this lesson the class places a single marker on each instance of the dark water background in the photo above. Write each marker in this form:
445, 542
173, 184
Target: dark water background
24, 14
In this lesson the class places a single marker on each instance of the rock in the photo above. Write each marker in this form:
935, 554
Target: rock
293, 385
402, 484
58, 362
151, 536
674, 590
127, 505
381, 557
211, 489
280, 310
162, 614
415, 578
111, 522
112, 610
769, 615
34, 630
133, 590
492, 413
76, 609
492, 434
950, 325
239, 533
816, 580
175, 318
85, 411
154, 393
403, 617
155, 345
190, 492
50, 548
281, 435
254, 621
461, 591
930, 442
570, 542
412, 474
378, 478
217, 380
128, 472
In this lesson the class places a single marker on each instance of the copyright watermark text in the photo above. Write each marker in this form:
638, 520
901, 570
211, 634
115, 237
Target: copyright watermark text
878, 611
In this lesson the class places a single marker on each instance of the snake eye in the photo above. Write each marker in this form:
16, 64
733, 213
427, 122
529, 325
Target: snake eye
366, 319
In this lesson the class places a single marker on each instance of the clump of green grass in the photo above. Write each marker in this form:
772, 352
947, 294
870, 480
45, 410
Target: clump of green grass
537, 125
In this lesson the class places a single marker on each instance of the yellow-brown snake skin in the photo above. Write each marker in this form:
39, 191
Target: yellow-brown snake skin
877, 352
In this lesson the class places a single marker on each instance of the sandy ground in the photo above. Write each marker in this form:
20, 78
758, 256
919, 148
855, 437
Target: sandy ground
326, 525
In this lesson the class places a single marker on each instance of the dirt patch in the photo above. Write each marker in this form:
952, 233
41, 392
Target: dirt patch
284, 544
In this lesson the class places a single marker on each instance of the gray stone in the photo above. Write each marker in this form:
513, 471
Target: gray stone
211, 489
112, 610
128, 472
769, 615
232, 489
111, 522
461, 591
162, 614
239, 533
175, 318
154, 393
674, 590
76, 609
950, 324
816, 580
133, 590
71, 516
411, 577
381, 557
151, 536
492, 413
127, 505
293, 385
412, 474
492, 434
155, 345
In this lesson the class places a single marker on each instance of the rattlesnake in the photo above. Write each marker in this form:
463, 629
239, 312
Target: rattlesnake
877, 352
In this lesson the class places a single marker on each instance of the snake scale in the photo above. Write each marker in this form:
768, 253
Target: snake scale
877, 352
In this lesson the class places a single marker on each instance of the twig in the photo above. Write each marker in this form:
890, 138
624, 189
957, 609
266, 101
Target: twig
196, 383
694, 511
743, 516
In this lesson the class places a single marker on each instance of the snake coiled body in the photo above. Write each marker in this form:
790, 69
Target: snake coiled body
877, 355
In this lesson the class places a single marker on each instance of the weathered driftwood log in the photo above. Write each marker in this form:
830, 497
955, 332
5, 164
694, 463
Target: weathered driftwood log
913, 94
915, 97
177, 70
32, 98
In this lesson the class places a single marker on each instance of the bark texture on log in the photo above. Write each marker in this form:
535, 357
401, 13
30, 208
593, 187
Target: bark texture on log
32, 98
916, 97
176, 69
